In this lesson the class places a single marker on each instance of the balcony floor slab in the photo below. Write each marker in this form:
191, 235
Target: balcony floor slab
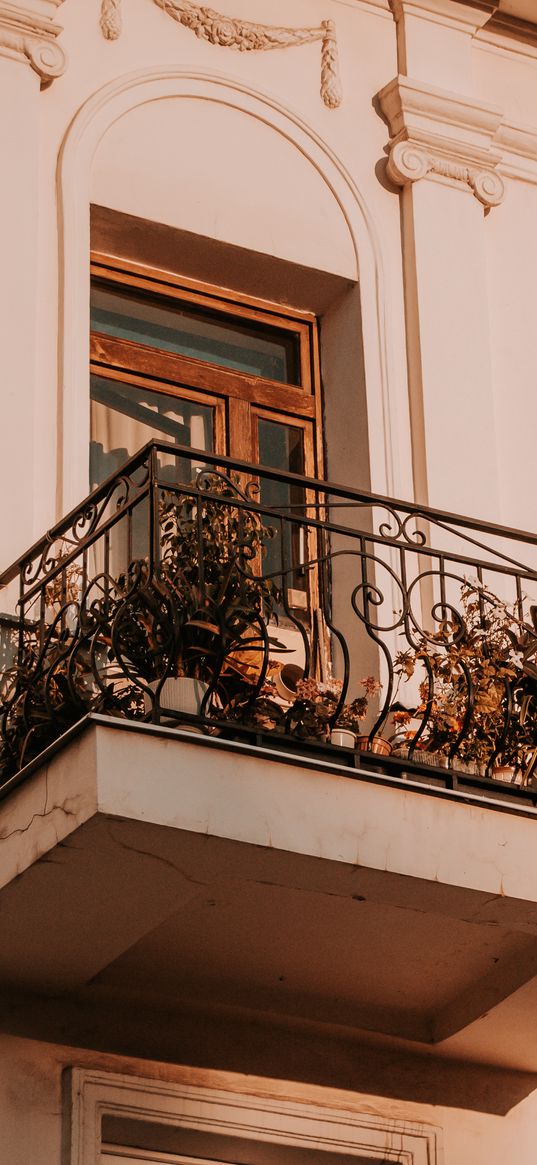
158, 866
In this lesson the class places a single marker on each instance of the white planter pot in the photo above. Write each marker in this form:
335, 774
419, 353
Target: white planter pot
342, 737
286, 680
178, 694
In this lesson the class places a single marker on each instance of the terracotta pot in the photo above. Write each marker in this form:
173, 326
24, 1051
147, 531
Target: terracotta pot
343, 737
420, 756
378, 744
506, 773
435, 759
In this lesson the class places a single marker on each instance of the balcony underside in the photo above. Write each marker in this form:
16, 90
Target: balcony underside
146, 871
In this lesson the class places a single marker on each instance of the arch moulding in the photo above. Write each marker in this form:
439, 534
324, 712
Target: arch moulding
96, 116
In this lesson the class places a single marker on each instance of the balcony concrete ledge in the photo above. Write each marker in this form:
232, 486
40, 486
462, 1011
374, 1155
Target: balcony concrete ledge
179, 868
288, 802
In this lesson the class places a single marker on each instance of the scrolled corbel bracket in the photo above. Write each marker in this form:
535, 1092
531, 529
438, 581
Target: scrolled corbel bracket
409, 162
488, 186
442, 136
46, 58
26, 34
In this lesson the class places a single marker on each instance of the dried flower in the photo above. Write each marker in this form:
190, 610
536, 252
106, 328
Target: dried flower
476, 681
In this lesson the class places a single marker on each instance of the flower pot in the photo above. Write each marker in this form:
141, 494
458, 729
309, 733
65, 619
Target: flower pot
178, 694
342, 737
506, 773
437, 760
421, 756
286, 680
378, 744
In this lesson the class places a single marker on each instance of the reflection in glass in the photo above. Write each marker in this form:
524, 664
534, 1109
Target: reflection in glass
172, 326
282, 447
125, 416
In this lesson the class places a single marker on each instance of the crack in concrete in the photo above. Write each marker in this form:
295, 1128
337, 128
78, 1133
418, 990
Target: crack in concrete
44, 813
483, 906
156, 857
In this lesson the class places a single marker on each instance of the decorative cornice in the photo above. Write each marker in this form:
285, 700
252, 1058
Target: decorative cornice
454, 14
243, 36
443, 136
488, 6
521, 12
519, 151
518, 35
29, 33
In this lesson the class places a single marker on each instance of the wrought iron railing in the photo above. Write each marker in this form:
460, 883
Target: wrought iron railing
201, 592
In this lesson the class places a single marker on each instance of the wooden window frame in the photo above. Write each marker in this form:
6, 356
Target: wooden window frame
178, 375
211, 401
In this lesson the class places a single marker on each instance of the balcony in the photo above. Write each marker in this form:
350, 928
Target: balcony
231, 861
284, 613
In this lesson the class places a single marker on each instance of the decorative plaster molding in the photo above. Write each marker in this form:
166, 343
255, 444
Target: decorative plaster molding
387, 390
242, 35
519, 140
508, 38
111, 22
408, 163
519, 151
442, 135
466, 17
30, 34
513, 26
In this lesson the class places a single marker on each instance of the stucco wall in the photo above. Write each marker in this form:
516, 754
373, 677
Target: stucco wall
31, 1081
280, 174
239, 147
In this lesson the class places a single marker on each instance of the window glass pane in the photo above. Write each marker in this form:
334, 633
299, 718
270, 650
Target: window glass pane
257, 349
125, 416
281, 446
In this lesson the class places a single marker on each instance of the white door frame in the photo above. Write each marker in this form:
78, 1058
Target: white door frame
94, 1094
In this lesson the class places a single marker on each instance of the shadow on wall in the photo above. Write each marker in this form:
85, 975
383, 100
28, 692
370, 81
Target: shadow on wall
227, 1041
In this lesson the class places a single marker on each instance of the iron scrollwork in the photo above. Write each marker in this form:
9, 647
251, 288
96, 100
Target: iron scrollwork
151, 581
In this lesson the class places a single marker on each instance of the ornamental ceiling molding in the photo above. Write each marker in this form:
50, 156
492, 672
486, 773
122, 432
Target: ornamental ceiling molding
441, 135
30, 34
243, 36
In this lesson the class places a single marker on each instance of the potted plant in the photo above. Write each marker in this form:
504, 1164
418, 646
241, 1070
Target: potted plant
318, 714
193, 630
351, 715
474, 692
62, 669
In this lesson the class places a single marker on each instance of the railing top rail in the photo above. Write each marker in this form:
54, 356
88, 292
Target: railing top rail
66, 523
443, 519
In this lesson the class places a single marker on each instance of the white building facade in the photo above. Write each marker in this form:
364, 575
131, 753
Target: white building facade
213, 952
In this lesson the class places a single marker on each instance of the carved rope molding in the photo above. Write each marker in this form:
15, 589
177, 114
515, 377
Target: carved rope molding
243, 36
408, 163
27, 35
